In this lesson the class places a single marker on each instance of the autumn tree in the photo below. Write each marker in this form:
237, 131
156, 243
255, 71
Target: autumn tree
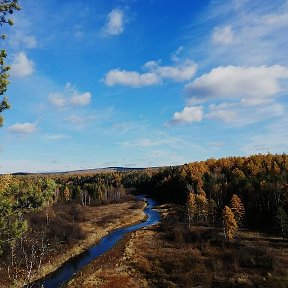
7, 7
66, 194
229, 223
191, 207
201, 207
197, 207
237, 208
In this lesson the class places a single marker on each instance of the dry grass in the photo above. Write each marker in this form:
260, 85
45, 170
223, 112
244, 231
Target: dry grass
90, 225
173, 255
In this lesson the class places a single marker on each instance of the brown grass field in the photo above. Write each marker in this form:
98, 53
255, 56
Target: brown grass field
171, 254
91, 224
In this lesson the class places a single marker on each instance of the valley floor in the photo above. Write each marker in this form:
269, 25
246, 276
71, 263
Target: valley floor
96, 222
171, 255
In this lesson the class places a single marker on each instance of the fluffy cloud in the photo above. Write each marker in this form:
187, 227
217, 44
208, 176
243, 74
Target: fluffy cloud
22, 66
189, 115
114, 23
130, 78
224, 112
181, 71
258, 35
57, 99
81, 99
238, 114
22, 128
223, 35
238, 82
248, 95
70, 96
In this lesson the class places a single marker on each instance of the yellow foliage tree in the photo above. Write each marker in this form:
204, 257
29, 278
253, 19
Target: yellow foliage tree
229, 223
67, 194
237, 208
191, 207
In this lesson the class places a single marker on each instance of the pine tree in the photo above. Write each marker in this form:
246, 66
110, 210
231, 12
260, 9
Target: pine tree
238, 209
6, 7
229, 223
282, 221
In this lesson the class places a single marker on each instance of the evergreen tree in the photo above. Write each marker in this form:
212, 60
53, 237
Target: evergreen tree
6, 7
282, 221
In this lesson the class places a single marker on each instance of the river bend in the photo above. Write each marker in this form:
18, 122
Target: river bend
74, 265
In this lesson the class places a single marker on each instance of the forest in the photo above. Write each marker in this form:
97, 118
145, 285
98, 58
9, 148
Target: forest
228, 193
260, 181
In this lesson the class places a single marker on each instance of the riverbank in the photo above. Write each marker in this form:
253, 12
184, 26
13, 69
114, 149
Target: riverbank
172, 255
96, 223
115, 269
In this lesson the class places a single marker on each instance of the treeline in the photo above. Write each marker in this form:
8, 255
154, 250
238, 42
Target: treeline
260, 181
20, 195
40, 212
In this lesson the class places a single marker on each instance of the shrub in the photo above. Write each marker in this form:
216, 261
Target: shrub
64, 231
253, 257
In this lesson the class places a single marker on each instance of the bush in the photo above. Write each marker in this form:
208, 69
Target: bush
64, 231
76, 213
253, 257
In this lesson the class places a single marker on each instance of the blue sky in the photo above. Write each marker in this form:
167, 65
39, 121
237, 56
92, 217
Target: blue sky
144, 83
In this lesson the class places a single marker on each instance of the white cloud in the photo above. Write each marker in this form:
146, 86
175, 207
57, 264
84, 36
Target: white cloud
223, 35
160, 139
57, 99
189, 115
22, 128
114, 24
81, 99
223, 112
258, 33
239, 114
55, 137
180, 72
273, 139
238, 82
69, 96
130, 78
21, 39
21, 66
236, 95
175, 55
276, 20
75, 119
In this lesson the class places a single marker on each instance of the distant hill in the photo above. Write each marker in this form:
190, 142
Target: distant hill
101, 170
83, 171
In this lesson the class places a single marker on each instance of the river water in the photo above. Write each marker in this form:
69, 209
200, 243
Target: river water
73, 266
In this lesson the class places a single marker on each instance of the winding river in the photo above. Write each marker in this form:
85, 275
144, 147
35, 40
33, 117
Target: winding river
73, 266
